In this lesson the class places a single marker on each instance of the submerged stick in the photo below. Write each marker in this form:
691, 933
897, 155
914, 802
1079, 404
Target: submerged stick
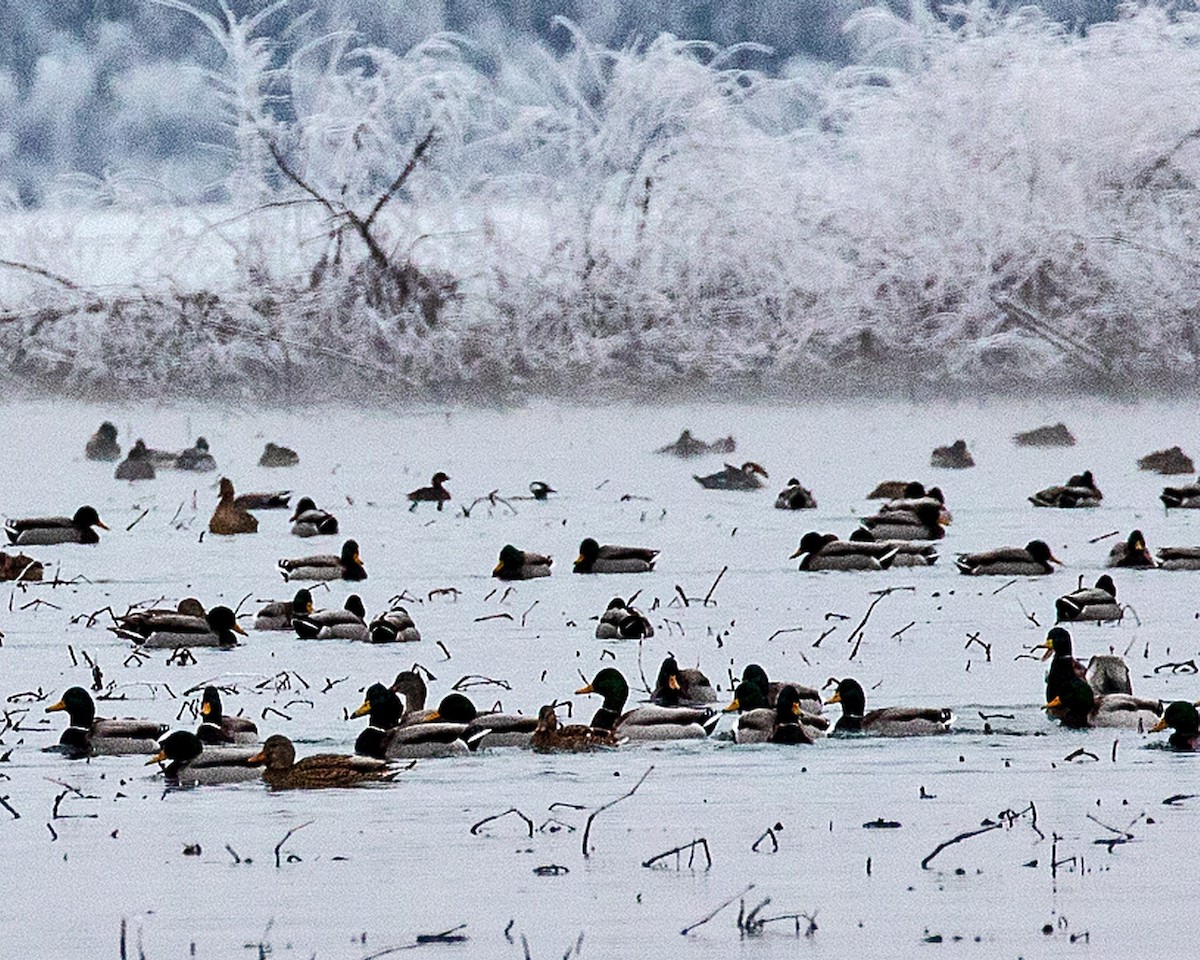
703, 920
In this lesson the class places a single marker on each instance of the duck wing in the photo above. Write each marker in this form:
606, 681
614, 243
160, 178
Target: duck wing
610, 551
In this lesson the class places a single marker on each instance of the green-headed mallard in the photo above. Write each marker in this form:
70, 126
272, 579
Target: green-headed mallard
46, 531
394, 626
1179, 558
549, 737
1170, 461
1064, 668
923, 523
274, 455
1079, 491
745, 477
196, 458
311, 521
1132, 552
1051, 435
1090, 603
166, 631
1181, 717
675, 687
1078, 707
650, 722
349, 623
756, 719
484, 730
789, 726
610, 558
385, 737
347, 566
102, 445
278, 614
795, 497
810, 698
217, 728
190, 761
903, 553
819, 551
434, 493
228, 518
886, 721
284, 772
269, 500
517, 564
954, 457
1033, 559
89, 736
623, 621
137, 465
1185, 498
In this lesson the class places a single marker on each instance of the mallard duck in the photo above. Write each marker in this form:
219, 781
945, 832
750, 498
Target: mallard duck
744, 477
1132, 553
196, 458
166, 631
310, 521
272, 500
1079, 491
540, 490
145, 621
1167, 462
622, 621
136, 466
102, 445
1078, 707
20, 567
347, 566
1186, 498
349, 623
789, 726
278, 614
651, 722
1064, 668
911, 504
1090, 603
1033, 559
893, 489
1179, 558
283, 772
216, 728
1181, 717
521, 564
385, 737
394, 626
675, 687
89, 736
826, 552
924, 523
905, 553
887, 721
45, 531
954, 457
810, 699
228, 518
274, 455
609, 558
411, 686
1056, 435
434, 493
686, 446
549, 737
190, 761
795, 497
484, 730
756, 720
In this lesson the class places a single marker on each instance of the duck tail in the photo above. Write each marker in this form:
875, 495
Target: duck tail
888, 558
1170, 497
964, 566
710, 724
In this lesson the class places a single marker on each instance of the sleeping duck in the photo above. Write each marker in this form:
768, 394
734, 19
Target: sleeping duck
893, 489
394, 626
745, 477
1079, 491
196, 458
923, 523
346, 566
1032, 560
1181, 717
650, 722
1131, 553
610, 558
905, 553
517, 564
284, 772
349, 623
45, 531
271, 500
826, 552
228, 518
919, 498
89, 736
1090, 603
1179, 558
137, 465
310, 521
102, 445
795, 497
190, 761
954, 457
274, 455
623, 621
1186, 497
887, 721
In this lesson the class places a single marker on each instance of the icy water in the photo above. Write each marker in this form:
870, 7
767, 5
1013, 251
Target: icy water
376, 867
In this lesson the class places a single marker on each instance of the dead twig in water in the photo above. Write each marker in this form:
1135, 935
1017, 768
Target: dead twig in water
587, 829
286, 837
678, 852
703, 920
497, 816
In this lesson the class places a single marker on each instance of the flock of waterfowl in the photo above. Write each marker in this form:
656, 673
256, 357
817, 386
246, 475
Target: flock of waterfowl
683, 704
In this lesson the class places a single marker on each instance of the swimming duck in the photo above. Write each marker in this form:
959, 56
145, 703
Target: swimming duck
20, 567
394, 626
1131, 553
278, 614
651, 722
918, 498
1078, 707
1090, 603
622, 621
1187, 497
686, 446
954, 457
434, 493
744, 477
484, 730
1181, 717
283, 772
45, 531
273, 500
102, 445
162, 458
1056, 435
347, 566
217, 728
136, 466
757, 720
549, 737
385, 739
189, 761
1064, 668
1031, 560
826, 552
788, 726
1167, 462
887, 721
349, 623
309, 521
228, 518
274, 455
893, 489
411, 686
1079, 491
675, 687
810, 699
88, 736
905, 553
540, 490
145, 621
521, 564
1179, 558
609, 558
924, 523
795, 497
196, 458
166, 631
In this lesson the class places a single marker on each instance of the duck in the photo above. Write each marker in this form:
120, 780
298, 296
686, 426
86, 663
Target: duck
1131, 553
795, 497
1179, 558
310, 521
190, 761
686, 446
1090, 603
609, 558
1078, 492
1181, 498
217, 728
278, 614
810, 699
102, 445
887, 721
650, 722
1105, 673
954, 457
675, 687
434, 493
228, 518
137, 465
1078, 707
918, 498
196, 458
819, 551
385, 738
924, 523
20, 567
394, 626
1170, 461
271, 500
894, 489
549, 737
89, 736
484, 730
163, 630
517, 564
162, 458
540, 490
788, 726
47, 531
284, 772
1032, 560
757, 719
745, 477
349, 623
346, 566
905, 553
1051, 435
274, 455
1182, 718
621, 620
144, 622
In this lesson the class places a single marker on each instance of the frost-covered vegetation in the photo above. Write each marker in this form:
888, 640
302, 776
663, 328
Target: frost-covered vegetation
967, 198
